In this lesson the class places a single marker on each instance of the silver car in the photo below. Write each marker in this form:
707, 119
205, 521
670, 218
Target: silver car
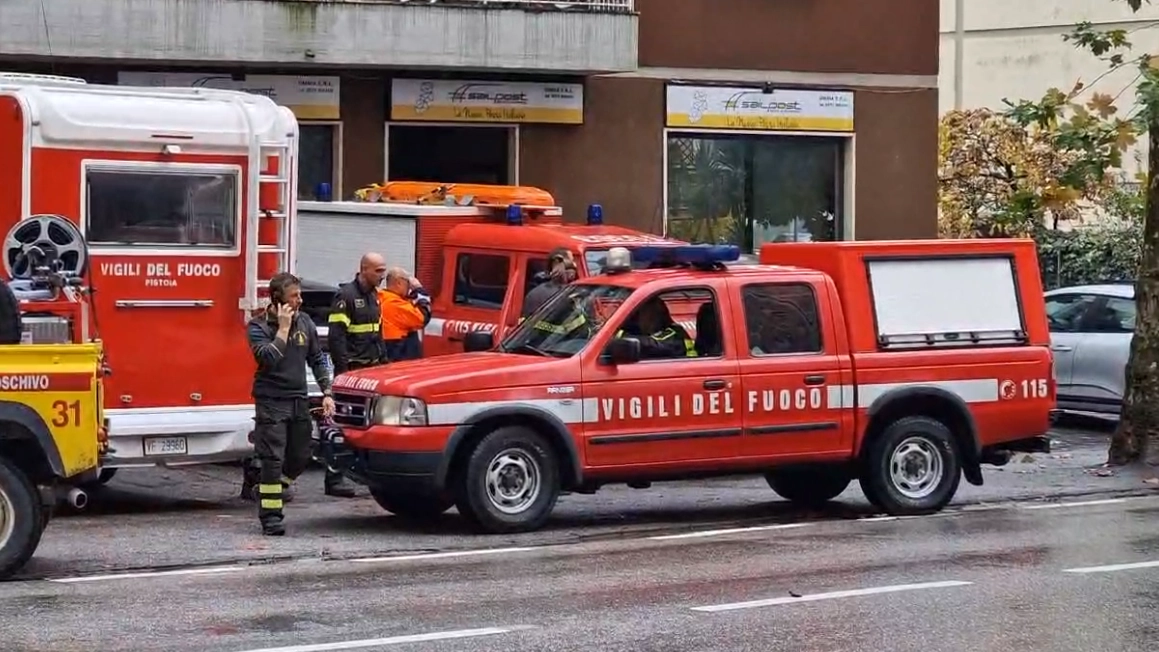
1091, 327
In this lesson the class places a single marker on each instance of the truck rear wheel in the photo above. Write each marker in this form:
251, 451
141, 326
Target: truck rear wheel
913, 467
22, 518
509, 482
412, 505
808, 487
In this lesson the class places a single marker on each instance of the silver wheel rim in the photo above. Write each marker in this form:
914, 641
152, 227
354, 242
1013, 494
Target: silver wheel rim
7, 519
916, 467
513, 481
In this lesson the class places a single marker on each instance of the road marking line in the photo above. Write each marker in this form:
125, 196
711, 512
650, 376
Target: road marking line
440, 555
834, 595
129, 576
1084, 503
735, 530
875, 519
1114, 567
394, 640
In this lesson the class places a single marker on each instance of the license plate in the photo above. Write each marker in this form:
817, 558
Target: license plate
166, 446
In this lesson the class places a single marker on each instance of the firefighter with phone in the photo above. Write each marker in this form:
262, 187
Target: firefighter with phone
284, 340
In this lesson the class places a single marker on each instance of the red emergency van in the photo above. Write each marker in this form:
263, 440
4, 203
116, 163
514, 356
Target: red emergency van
175, 205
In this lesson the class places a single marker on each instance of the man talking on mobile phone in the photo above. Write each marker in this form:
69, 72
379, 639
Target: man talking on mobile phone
284, 340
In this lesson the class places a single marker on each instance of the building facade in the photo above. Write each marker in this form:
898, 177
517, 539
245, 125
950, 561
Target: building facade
993, 50
728, 120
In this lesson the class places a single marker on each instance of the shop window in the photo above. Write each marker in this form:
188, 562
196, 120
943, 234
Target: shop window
317, 155
481, 280
751, 189
161, 208
470, 154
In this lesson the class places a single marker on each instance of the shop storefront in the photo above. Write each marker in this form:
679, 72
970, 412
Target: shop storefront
749, 165
468, 131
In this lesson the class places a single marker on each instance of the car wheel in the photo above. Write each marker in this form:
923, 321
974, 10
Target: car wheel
913, 467
411, 505
510, 481
808, 487
22, 518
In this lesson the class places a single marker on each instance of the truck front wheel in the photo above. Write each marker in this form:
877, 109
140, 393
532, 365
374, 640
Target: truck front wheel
913, 467
509, 481
808, 487
412, 505
22, 518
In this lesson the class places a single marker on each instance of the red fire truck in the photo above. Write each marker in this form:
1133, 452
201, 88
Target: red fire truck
174, 205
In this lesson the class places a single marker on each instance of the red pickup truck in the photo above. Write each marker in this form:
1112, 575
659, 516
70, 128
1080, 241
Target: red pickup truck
902, 365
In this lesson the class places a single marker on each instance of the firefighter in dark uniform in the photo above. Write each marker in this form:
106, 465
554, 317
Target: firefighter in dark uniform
660, 336
355, 336
561, 271
283, 340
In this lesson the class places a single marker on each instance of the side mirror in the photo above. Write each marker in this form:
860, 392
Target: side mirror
478, 341
623, 350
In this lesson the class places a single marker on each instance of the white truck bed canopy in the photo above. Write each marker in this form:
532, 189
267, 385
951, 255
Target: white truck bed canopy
70, 112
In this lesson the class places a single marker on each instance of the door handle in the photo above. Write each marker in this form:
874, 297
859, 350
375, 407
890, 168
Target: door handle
714, 384
817, 379
1060, 347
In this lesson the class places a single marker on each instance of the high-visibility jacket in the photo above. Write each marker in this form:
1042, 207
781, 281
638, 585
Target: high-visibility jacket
400, 316
354, 338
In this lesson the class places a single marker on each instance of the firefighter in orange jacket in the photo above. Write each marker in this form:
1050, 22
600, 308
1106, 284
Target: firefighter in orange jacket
406, 309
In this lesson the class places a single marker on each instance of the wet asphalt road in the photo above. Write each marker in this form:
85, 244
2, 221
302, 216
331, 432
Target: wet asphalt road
1030, 577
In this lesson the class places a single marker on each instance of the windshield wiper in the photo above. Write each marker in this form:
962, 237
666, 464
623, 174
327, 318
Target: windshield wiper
528, 347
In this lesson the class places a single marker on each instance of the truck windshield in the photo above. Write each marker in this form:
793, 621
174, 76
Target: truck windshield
565, 324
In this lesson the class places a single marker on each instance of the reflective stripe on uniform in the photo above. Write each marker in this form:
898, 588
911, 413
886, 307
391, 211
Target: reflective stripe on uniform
563, 328
339, 318
271, 503
363, 328
273, 489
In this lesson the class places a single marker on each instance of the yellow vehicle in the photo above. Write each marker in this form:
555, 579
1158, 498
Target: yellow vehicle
52, 435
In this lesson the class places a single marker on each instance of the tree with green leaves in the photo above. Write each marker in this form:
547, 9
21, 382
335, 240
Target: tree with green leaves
1134, 440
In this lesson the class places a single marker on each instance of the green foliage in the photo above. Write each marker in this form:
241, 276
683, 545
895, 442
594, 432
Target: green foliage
1099, 254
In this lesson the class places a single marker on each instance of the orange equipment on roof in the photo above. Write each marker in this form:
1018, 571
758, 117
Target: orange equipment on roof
456, 194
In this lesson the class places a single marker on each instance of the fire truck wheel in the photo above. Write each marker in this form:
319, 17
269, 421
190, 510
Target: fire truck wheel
811, 487
509, 481
411, 505
22, 518
913, 467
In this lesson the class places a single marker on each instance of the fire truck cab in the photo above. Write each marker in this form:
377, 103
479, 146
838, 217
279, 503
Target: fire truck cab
479, 249
174, 206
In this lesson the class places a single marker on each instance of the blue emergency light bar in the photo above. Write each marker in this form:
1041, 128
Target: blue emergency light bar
694, 255
514, 215
595, 215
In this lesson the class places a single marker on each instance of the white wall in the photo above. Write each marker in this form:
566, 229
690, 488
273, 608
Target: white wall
1014, 49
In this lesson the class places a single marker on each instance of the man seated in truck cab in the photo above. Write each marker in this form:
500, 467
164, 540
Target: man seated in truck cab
660, 336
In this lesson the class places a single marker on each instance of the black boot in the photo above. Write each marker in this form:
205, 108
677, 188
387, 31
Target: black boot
337, 485
250, 474
273, 527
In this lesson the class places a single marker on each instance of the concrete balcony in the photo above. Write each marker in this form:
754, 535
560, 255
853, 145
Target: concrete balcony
577, 36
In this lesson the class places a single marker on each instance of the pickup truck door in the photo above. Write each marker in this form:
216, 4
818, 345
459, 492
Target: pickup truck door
474, 291
663, 412
790, 371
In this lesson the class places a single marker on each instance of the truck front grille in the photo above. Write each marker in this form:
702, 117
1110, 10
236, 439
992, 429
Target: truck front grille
352, 410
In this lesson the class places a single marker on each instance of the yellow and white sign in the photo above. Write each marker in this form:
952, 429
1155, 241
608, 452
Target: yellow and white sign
309, 97
448, 100
717, 107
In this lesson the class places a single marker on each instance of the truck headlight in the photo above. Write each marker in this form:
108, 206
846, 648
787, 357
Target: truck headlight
398, 411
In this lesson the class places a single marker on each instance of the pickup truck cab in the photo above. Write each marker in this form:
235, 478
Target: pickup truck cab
902, 365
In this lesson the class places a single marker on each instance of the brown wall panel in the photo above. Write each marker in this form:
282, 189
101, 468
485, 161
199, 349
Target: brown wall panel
896, 189
363, 102
854, 36
613, 159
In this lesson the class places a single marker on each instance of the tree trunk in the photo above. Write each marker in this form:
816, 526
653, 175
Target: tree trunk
1139, 422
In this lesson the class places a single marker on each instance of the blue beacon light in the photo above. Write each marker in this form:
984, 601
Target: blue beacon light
514, 215
695, 255
595, 215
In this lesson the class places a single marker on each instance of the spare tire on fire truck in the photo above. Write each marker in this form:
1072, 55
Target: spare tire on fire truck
10, 322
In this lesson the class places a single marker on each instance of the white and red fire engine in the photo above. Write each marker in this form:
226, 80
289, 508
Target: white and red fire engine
174, 205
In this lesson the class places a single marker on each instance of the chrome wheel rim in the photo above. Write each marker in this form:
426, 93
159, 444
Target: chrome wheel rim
514, 481
916, 467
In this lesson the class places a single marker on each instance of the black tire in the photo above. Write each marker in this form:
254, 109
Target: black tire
812, 487
22, 519
529, 455
411, 505
935, 442
11, 324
